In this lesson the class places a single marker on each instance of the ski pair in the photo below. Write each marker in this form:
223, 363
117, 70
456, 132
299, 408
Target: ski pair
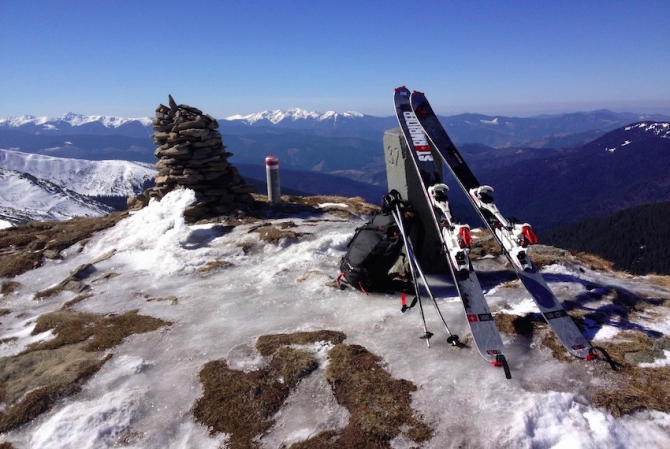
455, 239
513, 238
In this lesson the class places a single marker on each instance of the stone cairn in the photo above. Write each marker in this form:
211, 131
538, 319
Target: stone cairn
192, 155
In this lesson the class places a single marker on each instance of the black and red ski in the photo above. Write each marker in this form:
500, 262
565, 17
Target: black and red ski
514, 238
455, 237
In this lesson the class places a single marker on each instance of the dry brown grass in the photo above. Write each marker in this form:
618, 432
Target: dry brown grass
517, 325
213, 266
661, 281
242, 404
268, 344
356, 206
32, 381
99, 332
633, 388
379, 405
27, 244
246, 246
594, 262
271, 234
543, 255
9, 287
485, 245
76, 300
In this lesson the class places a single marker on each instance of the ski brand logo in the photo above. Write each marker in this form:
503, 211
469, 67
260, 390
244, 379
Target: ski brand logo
555, 314
418, 137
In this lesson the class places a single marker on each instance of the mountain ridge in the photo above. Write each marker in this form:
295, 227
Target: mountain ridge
497, 130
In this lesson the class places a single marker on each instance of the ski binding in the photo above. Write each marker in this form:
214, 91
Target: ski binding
457, 237
515, 237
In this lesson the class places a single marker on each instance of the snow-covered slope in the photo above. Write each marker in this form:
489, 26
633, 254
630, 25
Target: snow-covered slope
93, 178
643, 131
227, 287
24, 197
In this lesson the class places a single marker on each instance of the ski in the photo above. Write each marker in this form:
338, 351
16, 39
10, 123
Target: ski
455, 238
514, 238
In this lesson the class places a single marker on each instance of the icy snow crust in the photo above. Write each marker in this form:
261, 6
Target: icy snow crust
149, 387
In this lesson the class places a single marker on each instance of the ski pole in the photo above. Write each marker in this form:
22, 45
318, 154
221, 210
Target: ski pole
417, 289
452, 339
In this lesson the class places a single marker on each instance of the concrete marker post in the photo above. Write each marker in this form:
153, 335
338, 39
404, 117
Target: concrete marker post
272, 174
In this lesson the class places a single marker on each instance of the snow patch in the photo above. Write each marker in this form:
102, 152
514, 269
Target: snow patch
152, 236
323, 205
563, 420
665, 361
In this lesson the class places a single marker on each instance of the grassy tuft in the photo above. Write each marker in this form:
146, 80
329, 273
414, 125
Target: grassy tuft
594, 262
9, 287
268, 344
269, 233
33, 382
100, 333
516, 325
243, 404
26, 245
213, 266
379, 405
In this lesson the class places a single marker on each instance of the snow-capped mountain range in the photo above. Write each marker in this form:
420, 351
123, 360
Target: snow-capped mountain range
71, 123
292, 115
556, 131
72, 119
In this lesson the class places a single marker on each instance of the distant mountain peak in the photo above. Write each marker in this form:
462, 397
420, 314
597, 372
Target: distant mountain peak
292, 115
73, 119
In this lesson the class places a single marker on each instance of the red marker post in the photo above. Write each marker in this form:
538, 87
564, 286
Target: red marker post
272, 174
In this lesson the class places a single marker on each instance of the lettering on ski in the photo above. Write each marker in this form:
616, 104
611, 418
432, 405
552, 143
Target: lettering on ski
418, 137
512, 237
484, 331
555, 314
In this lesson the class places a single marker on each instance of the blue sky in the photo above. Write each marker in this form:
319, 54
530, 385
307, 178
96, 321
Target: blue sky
238, 57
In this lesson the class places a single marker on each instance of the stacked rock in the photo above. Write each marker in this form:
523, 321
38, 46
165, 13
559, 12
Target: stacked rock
192, 155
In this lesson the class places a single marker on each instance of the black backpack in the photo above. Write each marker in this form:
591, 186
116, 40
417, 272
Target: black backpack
372, 251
